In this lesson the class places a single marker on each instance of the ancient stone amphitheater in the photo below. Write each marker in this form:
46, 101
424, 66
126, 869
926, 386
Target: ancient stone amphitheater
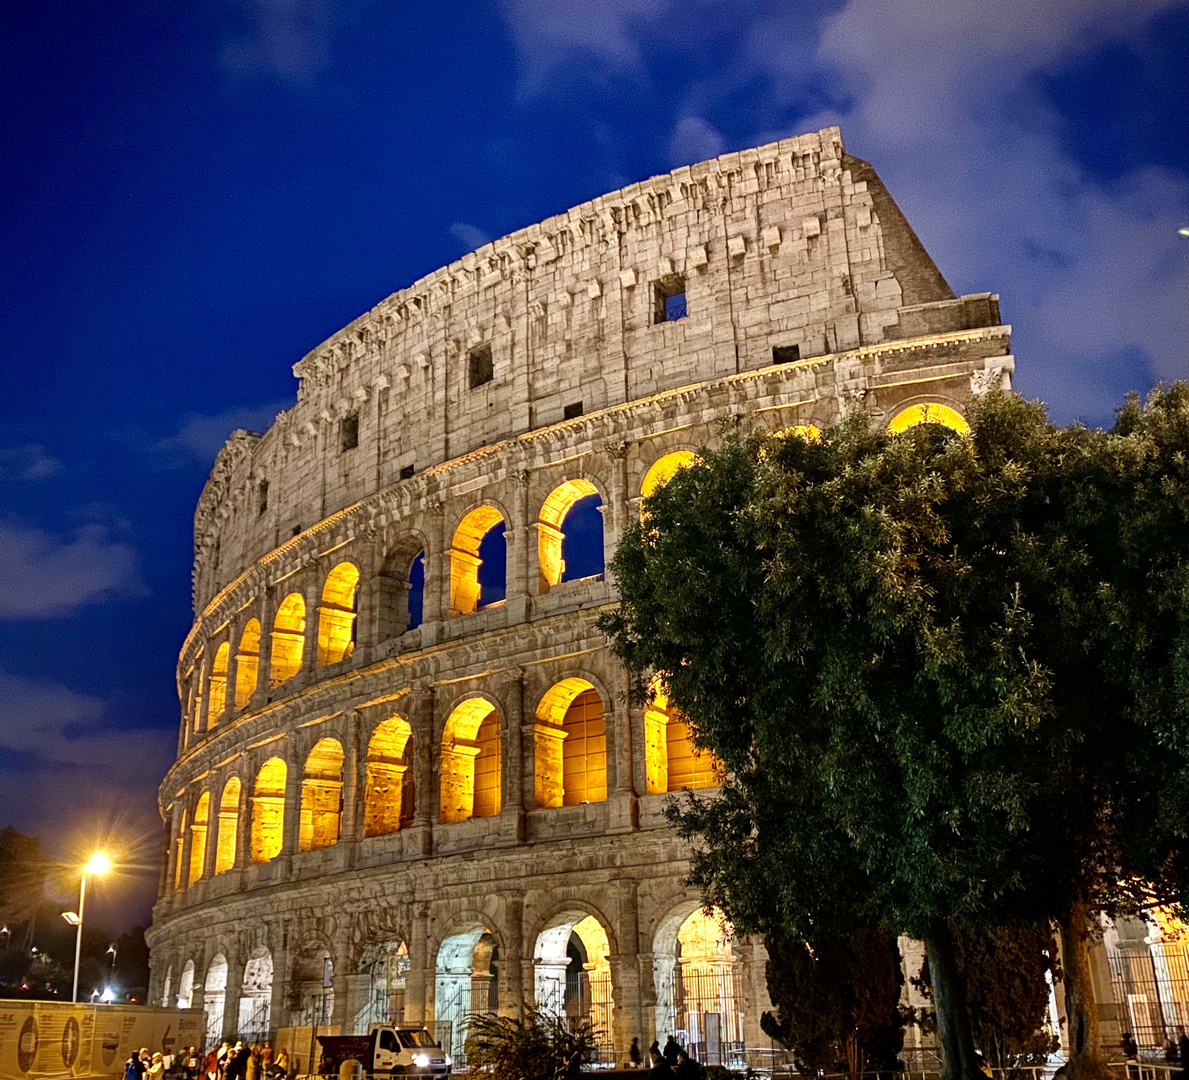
408, 783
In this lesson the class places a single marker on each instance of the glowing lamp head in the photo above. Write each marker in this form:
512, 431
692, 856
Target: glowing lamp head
1184, 231
99, 864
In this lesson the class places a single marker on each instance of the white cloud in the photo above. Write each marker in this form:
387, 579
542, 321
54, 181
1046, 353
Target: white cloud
200, 437
44, 576
470, 236
693, 139
28, 462
287, 40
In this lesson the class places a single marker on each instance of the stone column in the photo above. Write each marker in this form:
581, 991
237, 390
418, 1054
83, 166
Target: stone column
163, 876
231, 996
175, 823
340, 951
309, 655
435, 597
419, 837
418, 999
512, 826
210, 854
187, 841
628, 1019
279, 945
243, 827
292, 823
512, 988
349, 830
517, 535
754, 961
356, 992
265, 610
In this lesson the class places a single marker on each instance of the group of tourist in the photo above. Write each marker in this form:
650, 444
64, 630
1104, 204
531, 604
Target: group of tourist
255, 1061
673, 1061
142, 1065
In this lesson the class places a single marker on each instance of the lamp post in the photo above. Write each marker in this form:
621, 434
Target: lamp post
98, 865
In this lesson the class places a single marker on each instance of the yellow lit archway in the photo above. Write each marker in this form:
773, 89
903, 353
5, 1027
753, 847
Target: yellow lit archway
228, 826
550, 531
464, 558
217, 700
570, 745
268, 810
288, 639
672, 763
661, 471
321, 797
336, 616
178, 868
928, 413
388, 801
471, 762
247, 663
198, 836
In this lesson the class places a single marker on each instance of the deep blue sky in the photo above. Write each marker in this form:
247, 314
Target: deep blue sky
194, 195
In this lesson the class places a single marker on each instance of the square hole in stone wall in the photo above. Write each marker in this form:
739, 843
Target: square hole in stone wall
406, 472
349, 432
480, 368
262, 497
786, 354
669, 299
569, 412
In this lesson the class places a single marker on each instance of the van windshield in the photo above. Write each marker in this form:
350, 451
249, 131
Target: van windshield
416, 1038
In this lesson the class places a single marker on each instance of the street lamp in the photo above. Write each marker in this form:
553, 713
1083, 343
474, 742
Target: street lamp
98, 865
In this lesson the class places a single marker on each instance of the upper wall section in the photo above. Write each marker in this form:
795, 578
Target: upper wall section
794, 244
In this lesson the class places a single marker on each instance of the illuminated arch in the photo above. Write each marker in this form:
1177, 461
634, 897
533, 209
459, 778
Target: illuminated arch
186, 986
336, 616
228, 826
288, 639
388, 800
808, 432
551, 532
255, 1001
215, 998
572, 969
471, 762
217, 686
268, 810
247, 663
178, 868
696, 974
930, 412
672, 763
466, 982
465, 561
322, 797
661, 471
570, 745
198, 836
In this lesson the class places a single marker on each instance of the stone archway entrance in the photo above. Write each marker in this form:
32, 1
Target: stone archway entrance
385, 965
466, 981
572, 974
255, 1002
699, 990
214, 998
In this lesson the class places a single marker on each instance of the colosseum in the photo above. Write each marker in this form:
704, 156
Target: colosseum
409, 784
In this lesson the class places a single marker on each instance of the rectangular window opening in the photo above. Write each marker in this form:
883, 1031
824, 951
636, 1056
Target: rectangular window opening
574, 409
480, 367
349, 432
669, 299
262, 497
786, 354
406, 472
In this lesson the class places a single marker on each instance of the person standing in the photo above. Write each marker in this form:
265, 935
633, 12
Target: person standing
660, 1068
672, 1049
635, 1059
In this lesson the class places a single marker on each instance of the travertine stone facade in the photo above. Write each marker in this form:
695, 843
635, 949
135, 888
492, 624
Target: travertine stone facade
451, 396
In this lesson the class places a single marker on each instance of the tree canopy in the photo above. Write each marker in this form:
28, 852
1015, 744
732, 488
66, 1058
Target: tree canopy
916, 656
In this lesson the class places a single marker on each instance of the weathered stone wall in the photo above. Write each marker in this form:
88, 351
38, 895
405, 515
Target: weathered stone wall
790, 244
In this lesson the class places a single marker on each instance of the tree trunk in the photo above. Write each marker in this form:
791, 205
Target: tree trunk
1086, 1060
958, 1061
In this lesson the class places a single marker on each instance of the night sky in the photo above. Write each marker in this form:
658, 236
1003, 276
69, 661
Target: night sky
195, 195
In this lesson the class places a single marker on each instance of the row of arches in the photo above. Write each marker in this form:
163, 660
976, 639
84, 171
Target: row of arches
570, 547
569, 768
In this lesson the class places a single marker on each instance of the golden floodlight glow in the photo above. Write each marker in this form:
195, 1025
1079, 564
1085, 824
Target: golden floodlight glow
1184, 230
99, 864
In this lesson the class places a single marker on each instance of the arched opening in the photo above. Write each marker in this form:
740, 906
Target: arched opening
288, 639
699, 996
247, 663
166, 1000
572, 973
321, 797
214, 998
570, 535
196, 699
217, 700
570, 745
466, 982
471, 762
400, 594
388, 798
311, 989
661, 471
336, 616
478, 561
268, 810
198, 837
416, 596
386, 964
179, 870
186, 986
228, 826
255, 1002
672, 762
931, 412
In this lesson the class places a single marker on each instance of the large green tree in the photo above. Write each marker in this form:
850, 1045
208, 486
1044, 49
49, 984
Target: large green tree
910, 654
